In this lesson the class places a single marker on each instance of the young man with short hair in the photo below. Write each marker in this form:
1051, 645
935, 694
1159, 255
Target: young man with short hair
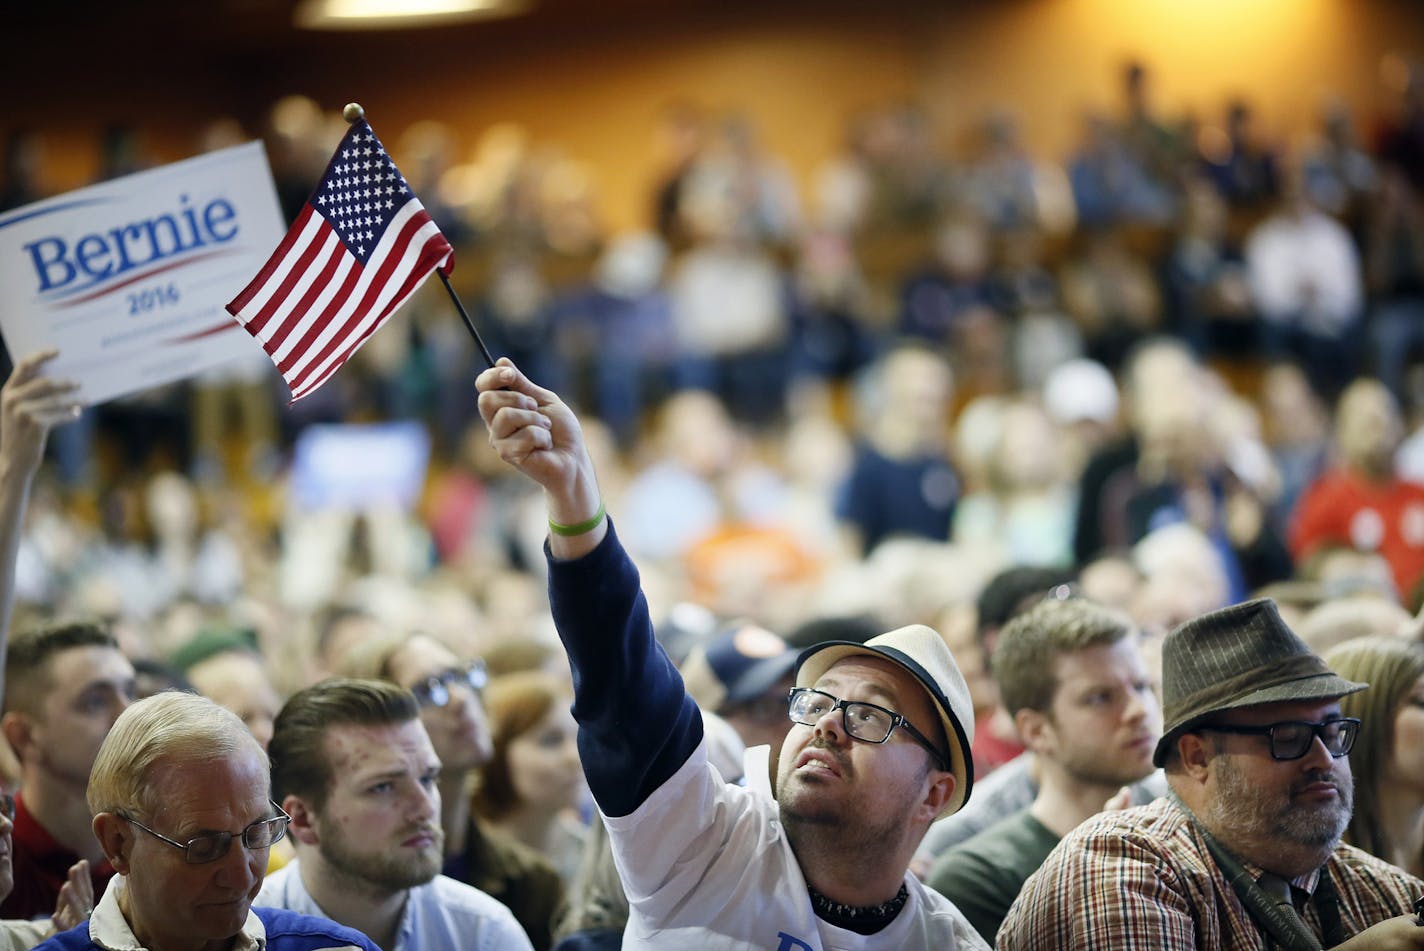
1071, 675
353, 766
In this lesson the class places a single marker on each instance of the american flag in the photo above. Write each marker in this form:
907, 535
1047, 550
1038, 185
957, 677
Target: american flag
360, 247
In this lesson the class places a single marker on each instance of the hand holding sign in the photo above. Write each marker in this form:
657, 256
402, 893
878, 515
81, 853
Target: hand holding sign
29, 405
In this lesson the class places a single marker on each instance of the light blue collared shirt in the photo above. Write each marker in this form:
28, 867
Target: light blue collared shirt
441, 915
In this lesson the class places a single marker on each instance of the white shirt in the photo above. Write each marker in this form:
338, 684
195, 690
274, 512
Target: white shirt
707, 865
441, 915
1304, 269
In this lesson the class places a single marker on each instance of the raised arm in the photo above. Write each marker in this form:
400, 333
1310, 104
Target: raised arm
637, 725
30, 404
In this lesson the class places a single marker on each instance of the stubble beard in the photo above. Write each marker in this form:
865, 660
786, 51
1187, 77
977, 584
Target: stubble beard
387, 870
813, 823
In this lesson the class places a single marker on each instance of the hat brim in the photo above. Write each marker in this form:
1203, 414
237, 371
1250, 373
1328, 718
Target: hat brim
815, 661
1325, 686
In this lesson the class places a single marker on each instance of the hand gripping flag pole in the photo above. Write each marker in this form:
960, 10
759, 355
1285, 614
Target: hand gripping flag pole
360, 247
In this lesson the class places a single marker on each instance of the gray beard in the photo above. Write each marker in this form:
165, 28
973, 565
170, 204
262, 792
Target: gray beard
1246, 809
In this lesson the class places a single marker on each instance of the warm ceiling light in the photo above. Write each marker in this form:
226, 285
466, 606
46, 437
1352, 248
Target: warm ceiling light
399, 14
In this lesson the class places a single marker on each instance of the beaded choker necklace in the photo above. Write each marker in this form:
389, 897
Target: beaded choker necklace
862, 919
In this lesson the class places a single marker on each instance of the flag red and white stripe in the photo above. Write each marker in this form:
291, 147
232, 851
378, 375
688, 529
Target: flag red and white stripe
360, 247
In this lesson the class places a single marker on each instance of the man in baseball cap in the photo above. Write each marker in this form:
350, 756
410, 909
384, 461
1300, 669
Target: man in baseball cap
878, 747
1245, 851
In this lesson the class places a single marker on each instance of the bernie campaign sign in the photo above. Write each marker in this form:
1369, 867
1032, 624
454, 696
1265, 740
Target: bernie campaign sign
128, 278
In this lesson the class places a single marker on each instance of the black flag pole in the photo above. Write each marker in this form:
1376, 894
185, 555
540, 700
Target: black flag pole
353, 113
469, 324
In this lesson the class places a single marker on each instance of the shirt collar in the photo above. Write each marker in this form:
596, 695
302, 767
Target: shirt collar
109, 929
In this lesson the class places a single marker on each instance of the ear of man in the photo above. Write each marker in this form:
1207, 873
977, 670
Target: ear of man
941, 789
1194, 754
303, 827
116, 837
19, 732
1035, 729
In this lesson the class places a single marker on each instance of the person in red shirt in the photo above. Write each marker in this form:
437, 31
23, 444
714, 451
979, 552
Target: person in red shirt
1360, 503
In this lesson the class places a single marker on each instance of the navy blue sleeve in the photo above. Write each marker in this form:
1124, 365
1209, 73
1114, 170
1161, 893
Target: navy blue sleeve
637, 724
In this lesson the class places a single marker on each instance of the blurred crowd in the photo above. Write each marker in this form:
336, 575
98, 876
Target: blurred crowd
1178, 367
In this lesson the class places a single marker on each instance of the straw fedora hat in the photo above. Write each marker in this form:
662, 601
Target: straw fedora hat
924, 654
1238, 656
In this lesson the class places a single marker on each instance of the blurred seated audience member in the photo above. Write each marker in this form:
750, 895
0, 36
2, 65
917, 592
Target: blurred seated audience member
1340, 175
1238, 161
449, 692
1201, 464
1025, 511
1306, 283
1112, 580
1112, 182
532, 787
682, 138
729, 310
1360, 502
1337, 620
1071, 675
1185, 574
617, 330
225, 667
180, 799
1007, 188
744, 673
679, 495
341, 629
596, 912
902, 481
1081, 396
1112, 296
354, 768
1387, 759
65, 685
1109, 479
1296, 429
1204, 279
936, 298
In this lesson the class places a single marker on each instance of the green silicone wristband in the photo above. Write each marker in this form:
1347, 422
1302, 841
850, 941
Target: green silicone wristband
579, 528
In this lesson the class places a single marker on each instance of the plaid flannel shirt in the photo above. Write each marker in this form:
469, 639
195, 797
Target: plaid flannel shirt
1143, 879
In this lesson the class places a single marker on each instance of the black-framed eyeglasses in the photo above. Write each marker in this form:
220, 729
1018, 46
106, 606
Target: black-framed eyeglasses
868, 722
211, 846
7, 806
1292, 739
435, 691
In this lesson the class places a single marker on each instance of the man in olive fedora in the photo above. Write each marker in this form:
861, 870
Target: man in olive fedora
1245, 851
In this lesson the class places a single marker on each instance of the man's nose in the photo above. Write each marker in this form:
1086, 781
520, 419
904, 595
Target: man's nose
831, 725
241, 867
1317, 756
